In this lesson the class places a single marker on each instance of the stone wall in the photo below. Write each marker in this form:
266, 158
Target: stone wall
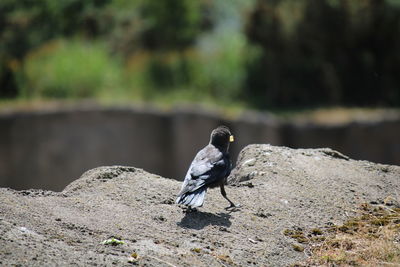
49, 148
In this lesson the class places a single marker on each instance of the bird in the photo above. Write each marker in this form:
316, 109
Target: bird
209, 169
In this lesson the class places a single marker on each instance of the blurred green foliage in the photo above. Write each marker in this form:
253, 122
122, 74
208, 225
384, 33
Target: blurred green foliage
329, 52
259, 53
27, 24
171, 24
72, 70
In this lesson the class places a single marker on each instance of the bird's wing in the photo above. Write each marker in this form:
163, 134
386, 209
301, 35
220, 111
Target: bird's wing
209, 165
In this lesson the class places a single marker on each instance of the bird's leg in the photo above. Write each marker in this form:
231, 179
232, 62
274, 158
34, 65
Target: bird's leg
223, 193
189, 209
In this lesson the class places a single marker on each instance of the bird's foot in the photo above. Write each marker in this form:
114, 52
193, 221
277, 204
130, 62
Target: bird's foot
233, 207
189, 210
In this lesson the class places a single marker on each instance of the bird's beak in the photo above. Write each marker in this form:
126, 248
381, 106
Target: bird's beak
231, 139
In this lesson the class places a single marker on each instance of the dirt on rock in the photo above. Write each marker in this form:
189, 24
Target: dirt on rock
279, 189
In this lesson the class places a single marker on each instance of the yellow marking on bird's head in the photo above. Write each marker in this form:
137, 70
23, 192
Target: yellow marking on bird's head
231, 139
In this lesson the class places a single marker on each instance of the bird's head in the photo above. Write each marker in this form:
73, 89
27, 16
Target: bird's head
221, 137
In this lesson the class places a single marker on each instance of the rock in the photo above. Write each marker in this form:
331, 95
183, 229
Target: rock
290, 189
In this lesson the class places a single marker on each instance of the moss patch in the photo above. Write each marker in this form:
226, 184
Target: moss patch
369, 239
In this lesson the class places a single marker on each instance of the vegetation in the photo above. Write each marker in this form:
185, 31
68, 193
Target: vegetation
370, 239
326, 52
262, 53
66, 74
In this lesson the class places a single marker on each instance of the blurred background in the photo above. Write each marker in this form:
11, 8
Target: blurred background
131, 75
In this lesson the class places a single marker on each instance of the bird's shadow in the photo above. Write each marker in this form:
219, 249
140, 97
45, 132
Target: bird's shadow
198, 220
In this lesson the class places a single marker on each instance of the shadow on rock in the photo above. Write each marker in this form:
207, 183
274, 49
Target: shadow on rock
199, 220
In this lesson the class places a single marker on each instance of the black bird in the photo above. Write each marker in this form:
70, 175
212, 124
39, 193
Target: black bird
209, 169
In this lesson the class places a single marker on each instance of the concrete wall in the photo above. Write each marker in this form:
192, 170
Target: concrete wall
377, 142
50, 148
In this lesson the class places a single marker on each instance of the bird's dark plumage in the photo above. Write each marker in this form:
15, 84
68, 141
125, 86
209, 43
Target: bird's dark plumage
208, 169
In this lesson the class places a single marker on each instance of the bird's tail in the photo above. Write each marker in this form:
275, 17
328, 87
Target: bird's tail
192, 199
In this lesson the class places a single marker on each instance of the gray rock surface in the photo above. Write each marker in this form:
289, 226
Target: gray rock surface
279, 188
